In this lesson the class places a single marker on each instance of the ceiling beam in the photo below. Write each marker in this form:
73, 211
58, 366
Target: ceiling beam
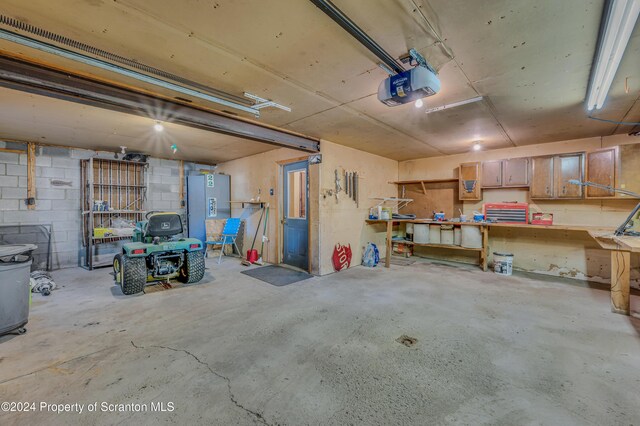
32, 78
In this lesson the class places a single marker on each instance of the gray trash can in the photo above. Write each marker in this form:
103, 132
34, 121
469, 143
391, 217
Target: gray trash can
15, 270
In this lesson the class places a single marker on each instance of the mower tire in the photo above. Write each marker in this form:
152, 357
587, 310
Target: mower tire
192, 269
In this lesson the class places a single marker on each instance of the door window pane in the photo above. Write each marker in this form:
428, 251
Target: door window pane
297, 194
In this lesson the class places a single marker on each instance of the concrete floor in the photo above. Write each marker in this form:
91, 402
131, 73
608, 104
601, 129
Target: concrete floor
234, 350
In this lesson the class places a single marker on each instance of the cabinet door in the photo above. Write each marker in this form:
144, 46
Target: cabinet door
628, 175
568, 167
542, 177
516, 172
491, 174
601, 169
469, 182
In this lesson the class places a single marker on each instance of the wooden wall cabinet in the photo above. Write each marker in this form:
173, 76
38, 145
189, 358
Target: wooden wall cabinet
492, 174
568, 167
512, 172
601, 168
550, 176
515, 172
542, 179
468, 173
628, 173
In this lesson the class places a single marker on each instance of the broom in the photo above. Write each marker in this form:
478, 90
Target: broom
264, 237
246, 261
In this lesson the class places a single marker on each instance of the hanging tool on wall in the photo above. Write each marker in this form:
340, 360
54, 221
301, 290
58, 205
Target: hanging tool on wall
347, 189
355, 189
338, 184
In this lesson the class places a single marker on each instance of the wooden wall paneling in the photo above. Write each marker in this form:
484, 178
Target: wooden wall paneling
435, 197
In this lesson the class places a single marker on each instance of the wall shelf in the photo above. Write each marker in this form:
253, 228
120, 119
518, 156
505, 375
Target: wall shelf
121, 185
425, 181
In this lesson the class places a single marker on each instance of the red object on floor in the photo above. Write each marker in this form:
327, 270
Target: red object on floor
252, 255
341, 257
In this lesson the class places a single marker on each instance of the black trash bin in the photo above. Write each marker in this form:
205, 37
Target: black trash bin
15, 270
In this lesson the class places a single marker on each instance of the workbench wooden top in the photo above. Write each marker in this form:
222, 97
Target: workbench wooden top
596, 229
609, 241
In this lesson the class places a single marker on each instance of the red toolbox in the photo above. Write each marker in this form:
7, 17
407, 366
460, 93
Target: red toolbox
506, 212
542, 219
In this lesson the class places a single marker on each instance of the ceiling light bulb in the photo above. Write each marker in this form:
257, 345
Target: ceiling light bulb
477, 146
419, 103
158, 127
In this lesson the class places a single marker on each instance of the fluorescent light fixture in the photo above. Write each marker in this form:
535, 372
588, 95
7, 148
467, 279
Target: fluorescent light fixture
618, 20
453, 105
419, 103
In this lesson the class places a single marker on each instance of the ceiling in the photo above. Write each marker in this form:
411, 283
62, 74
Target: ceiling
530, 60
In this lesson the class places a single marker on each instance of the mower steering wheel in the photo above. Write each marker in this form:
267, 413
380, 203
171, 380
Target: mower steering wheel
146, 216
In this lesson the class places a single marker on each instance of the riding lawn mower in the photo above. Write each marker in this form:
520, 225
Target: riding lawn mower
158, 253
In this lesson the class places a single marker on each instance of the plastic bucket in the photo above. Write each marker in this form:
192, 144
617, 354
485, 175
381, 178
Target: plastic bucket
409, 228
457, 236
446, 235
471, 237
434, 234
252, 255
421, 233
502, 263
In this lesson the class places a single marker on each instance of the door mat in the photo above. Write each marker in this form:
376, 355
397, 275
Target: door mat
277, 275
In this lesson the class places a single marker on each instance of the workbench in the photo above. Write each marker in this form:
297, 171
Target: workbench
621, 248
484, 258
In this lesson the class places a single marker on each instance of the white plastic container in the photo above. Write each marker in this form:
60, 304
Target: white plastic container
434, 234
457, 236
421, 233
502, 263
446, 235
409, 228
471, 237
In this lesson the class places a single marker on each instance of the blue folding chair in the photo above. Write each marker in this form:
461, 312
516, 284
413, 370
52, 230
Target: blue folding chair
229, 235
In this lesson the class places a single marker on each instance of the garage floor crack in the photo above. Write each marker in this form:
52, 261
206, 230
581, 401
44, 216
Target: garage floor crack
258, 416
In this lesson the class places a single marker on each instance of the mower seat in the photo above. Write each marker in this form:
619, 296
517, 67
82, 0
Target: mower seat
164, 225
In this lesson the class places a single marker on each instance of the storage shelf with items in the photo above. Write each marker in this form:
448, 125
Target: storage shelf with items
114, 194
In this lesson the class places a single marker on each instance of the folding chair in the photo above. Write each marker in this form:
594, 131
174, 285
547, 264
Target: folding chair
229, 235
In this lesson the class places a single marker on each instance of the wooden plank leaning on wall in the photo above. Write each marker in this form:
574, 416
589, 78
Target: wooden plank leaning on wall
31, 176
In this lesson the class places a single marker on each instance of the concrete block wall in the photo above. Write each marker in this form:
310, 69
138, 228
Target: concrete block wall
57, 200
58, 197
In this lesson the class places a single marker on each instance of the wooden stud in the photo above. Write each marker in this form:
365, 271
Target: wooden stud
181, 184
387, 257
31, 174
620, 281
13, 151
485, 248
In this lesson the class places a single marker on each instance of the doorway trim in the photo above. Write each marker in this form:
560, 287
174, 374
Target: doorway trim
280, 210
